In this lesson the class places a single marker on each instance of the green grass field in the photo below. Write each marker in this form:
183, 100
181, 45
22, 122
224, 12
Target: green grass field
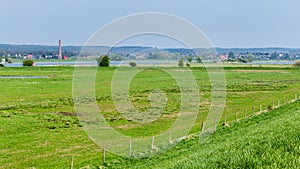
39, 128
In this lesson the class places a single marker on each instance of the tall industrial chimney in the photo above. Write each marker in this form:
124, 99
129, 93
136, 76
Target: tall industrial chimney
59, 50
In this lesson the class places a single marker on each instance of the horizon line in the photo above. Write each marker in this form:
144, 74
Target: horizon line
215, 47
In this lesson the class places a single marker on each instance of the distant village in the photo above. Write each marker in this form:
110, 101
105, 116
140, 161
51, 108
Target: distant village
21, 52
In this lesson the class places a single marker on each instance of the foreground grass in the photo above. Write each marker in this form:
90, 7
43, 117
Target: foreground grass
270, 140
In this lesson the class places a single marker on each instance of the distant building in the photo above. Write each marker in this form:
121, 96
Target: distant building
65, 57
223, 57
29, 56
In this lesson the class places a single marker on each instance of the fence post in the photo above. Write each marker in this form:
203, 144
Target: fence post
72, 163
215, 123
202, 127
252, 111
170, 137
152, 145
130, 146
104, 155
260, 108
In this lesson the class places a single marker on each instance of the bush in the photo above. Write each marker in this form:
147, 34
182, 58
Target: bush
190, 59
103, 61
188, 64
243, 60
1, 65
28, 62
8, 60
180, 63
297, 64
198, 59
132, 64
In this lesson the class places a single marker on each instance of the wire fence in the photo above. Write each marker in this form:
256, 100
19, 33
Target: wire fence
232, 117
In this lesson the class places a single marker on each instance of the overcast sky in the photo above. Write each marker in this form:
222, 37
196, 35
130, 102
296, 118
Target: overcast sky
227, 23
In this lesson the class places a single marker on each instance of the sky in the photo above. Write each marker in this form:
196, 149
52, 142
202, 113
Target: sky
226, 23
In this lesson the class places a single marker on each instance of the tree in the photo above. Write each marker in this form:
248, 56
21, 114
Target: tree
132, 64
180, 63
28, 62
231, 55
103, 61
243, 60
190, 59
250, 57
198, 59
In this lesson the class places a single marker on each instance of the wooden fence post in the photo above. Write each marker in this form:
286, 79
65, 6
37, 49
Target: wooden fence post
130, 146
260, 108
202, 127
215, 123
152, 145
72, 163
170, 137
104, 155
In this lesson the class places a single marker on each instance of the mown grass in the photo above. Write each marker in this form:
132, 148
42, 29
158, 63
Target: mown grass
38, 124
270, 140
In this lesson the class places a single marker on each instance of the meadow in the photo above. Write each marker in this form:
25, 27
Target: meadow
39, 127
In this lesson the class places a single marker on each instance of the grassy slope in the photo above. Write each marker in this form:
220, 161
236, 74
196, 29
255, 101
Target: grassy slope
270, 140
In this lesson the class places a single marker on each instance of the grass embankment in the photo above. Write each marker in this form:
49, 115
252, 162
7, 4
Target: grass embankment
270, 140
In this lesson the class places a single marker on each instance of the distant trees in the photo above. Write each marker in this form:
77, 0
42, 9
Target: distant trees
274, 55
231, 55
103, 61
250, 57
180, 62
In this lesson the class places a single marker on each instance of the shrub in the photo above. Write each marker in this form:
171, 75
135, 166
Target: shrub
180, 63
269, 108
188, 64
243, 60
198, 59
8, 60
132, 64
103, 61
28, 62
1, 65
190, 59
297, 64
